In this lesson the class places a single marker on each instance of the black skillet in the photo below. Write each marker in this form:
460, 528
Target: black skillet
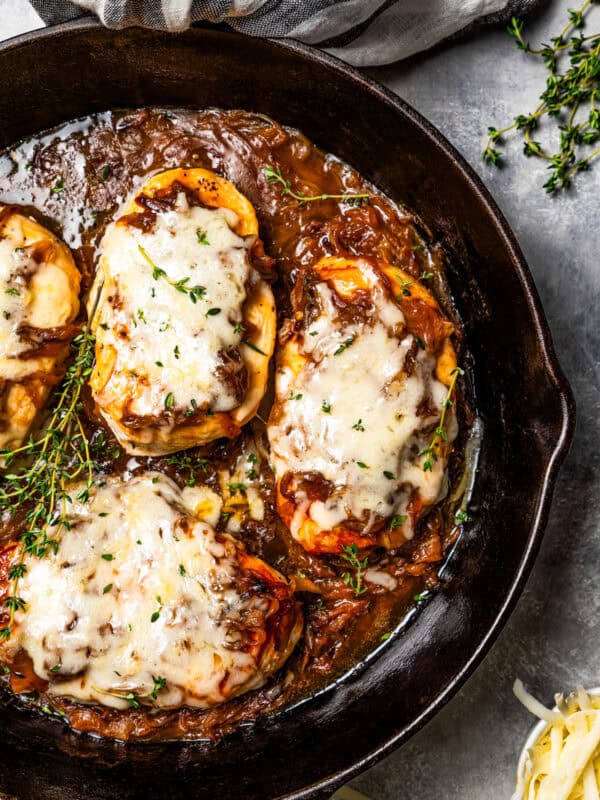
50, 76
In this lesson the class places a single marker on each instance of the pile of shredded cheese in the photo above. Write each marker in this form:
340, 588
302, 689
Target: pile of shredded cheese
564, 761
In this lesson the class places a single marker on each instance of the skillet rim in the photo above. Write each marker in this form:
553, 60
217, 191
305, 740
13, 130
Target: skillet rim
554, 451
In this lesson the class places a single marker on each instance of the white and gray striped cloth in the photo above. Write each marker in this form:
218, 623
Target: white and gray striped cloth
361, 32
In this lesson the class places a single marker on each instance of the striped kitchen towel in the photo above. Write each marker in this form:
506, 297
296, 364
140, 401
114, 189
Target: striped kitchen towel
361, 32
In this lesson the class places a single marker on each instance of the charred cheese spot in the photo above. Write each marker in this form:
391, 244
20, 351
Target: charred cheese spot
185, 325
362, 377
154, 593
39, 300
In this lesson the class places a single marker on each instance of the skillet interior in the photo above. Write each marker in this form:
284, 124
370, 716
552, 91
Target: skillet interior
522, 397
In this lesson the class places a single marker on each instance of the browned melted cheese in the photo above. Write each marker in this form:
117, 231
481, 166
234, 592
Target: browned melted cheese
185, 325
358, 395
141, 588
39, 300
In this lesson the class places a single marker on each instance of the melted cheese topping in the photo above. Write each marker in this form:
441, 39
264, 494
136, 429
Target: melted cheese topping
354, 416
32, 293
141, 588
172, 345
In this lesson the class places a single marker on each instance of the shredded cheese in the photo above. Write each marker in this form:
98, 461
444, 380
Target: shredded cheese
562, 758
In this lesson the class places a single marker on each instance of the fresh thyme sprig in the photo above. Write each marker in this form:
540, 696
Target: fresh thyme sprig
276, 176
189, 463
572, 97
359, 565
195, 293
53, 460
132, 698
440, 434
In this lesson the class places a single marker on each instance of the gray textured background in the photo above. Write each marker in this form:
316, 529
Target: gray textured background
469, 751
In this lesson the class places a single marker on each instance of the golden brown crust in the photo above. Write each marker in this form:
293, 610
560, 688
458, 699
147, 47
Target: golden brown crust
284, 623
171, 433
26, 380
424, 319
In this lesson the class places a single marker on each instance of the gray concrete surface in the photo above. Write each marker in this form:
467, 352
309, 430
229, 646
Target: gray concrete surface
469, 751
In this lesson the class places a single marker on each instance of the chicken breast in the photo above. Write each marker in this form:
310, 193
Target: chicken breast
39, 301
185, 324
362, 384
144, 603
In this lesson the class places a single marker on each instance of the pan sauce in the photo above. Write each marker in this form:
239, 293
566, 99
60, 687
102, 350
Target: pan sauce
75, 179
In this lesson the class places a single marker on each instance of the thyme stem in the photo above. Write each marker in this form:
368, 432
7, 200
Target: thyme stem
58, 457
359, 566
440, 434
569, 94
195, 293
276, 176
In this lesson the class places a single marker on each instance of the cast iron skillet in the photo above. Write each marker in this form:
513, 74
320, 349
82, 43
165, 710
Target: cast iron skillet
526, 405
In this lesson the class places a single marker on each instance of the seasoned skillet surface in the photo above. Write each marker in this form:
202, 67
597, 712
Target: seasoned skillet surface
76, 178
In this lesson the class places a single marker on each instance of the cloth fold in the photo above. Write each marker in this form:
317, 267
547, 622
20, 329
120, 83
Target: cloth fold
361, 32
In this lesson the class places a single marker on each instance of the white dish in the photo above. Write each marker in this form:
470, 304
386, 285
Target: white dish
536, 733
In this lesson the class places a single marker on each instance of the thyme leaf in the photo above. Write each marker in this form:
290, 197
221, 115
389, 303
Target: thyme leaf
43, 468
256, 349
344, 346
359, 565
440, 434
158, 684
184, 461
